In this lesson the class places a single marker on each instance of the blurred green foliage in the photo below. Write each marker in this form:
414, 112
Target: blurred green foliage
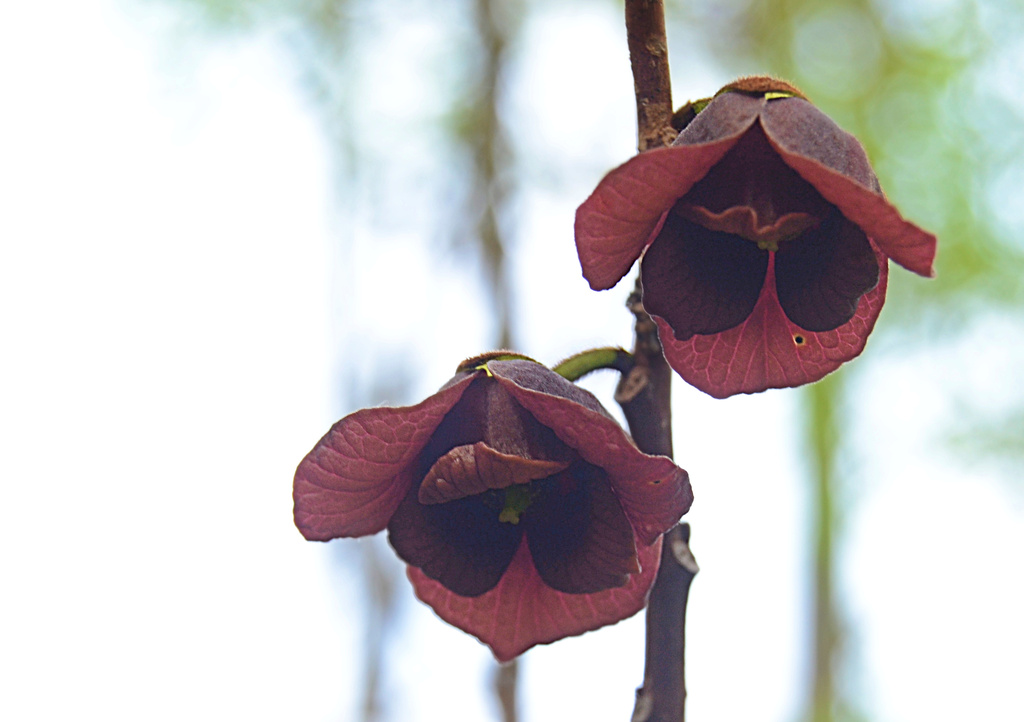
932, 91
930, 88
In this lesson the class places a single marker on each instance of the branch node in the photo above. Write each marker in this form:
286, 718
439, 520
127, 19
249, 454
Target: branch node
632, 384
680, 547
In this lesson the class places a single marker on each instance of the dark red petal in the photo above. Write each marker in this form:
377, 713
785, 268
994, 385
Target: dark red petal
834, 162
821, 275
768, 350
476, 468
701, 281
618, 219
579, 537
354, 478
522, 611
461, 544
653, 491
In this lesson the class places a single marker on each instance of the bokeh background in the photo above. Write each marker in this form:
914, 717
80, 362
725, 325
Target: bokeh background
226, 224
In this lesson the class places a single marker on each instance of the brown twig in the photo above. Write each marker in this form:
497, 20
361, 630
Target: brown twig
663, 696
644, 393
648, 55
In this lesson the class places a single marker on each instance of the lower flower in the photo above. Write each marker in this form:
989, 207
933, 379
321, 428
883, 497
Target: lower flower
524, 511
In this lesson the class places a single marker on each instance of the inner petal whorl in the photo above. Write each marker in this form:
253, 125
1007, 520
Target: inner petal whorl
475, 468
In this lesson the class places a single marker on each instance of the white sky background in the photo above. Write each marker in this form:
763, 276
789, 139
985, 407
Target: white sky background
168, 241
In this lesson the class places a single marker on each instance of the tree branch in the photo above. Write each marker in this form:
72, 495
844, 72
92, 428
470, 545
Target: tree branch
648, 56
645, 390
663, 696
644, 393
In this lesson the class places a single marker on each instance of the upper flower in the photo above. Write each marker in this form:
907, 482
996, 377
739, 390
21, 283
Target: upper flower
767, 239
524, 511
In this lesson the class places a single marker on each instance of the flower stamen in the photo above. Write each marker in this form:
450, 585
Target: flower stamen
517, 500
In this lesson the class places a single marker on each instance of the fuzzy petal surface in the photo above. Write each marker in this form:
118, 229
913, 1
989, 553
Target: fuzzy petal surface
535, 377
355, 477
523, 611
653, 491
768, 350
834, 162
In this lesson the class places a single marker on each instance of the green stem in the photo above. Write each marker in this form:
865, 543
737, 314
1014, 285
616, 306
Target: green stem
576, 367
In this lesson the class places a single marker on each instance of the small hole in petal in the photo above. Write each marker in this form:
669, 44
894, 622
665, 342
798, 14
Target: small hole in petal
798, 340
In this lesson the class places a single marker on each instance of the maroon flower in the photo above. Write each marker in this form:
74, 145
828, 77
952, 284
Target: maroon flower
524, 511
767, 241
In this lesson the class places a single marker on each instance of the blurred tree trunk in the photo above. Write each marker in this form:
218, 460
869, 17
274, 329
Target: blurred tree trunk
489, 147
822, 401
486, 139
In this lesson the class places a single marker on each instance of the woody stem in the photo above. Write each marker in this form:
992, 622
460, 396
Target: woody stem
644, 393
648, 56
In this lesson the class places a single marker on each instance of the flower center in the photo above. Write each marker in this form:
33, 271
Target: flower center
753, 194
518, 499
745, 222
